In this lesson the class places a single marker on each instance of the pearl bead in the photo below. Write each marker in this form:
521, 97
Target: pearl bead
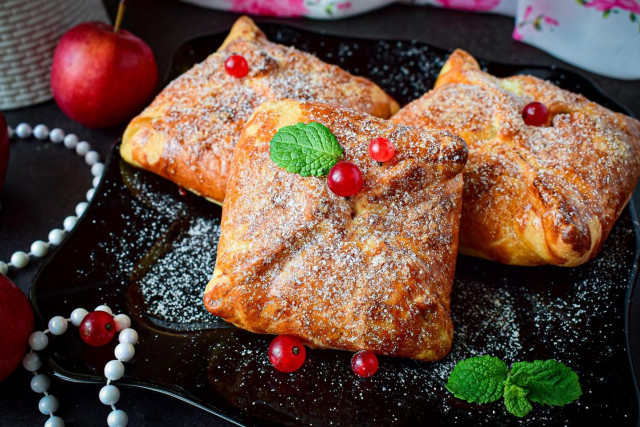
117, 418
70, 141
122, 322
77, 316
10, 131
54, 422
38, 340
56, 236
97, 169
96, 180
92, 157
19, 259
56, 135
109, 395
23, 130
39, 249
31, 362
40, 383
70, 222
41, 132
83, 148
48, 405
104, 308
114, 370
58, 325
128, 335
124, 352
81, 207
4, 268
90, 193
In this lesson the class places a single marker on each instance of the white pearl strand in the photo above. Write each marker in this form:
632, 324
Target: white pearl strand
40, 248
38, 340
113, 370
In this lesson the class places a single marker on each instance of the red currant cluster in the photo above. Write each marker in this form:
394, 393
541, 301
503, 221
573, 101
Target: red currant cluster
345, 179
287, 354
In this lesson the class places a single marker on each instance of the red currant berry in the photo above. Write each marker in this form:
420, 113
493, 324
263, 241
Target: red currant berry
97, 328
345, 179
287, 353
236, 66
364, 363
381, 149
535, 114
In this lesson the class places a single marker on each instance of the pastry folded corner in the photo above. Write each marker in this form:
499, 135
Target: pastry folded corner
373, 271
189, 132
533, 195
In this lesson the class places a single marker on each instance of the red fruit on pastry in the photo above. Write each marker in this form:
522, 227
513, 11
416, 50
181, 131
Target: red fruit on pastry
535, 114
345, 179
381, 149
236, 66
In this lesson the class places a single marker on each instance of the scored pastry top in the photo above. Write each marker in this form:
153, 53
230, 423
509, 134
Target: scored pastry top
372, 271
190, 130
533, 194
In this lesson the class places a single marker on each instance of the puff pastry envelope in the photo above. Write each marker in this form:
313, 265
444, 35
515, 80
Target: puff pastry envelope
373, 271
188, 133
532, 195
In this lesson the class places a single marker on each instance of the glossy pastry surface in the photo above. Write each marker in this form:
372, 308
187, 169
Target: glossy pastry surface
372, 271
533, 194
188, 133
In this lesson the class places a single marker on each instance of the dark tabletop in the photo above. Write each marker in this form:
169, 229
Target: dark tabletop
44, 184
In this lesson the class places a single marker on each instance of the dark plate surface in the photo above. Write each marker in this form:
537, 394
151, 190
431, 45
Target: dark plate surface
145, 250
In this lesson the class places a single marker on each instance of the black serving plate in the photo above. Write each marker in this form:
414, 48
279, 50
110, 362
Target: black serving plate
148, 251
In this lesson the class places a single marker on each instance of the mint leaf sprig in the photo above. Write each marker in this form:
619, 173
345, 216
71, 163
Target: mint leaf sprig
305, 149
485, 379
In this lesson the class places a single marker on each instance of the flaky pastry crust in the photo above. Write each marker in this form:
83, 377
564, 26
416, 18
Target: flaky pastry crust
372, 271
532, 195
189, 131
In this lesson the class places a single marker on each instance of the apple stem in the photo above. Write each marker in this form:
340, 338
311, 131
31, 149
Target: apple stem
119, 16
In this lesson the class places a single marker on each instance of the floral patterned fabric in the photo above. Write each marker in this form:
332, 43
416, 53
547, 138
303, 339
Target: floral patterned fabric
602, 36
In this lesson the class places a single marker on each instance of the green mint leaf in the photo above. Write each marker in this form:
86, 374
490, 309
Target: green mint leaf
305, 149
515, 400
478, 379
548, 382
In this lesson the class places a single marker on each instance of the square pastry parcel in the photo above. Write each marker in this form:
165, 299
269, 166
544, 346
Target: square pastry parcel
372, 271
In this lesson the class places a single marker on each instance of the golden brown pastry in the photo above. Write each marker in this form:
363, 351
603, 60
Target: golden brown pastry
188, 133
532, 195
372, 271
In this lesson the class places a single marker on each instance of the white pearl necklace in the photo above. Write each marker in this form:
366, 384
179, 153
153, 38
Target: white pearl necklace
38, 340
113, 370
40, 248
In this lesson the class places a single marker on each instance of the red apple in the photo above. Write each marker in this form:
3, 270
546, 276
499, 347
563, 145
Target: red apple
16, 318
101, 77
4, 149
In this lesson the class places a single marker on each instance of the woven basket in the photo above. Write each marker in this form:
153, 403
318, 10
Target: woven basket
29, 32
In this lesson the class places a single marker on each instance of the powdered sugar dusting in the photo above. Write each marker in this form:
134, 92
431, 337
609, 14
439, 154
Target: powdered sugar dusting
514, 313
572, 315
533, 194
200, 114
165, 251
